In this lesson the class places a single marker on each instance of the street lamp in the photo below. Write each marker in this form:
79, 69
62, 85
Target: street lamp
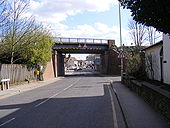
120, 25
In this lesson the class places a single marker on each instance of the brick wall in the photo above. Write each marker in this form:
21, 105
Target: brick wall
110, 63
49, 71
114, 63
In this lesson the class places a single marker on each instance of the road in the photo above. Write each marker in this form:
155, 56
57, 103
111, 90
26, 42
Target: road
80, 100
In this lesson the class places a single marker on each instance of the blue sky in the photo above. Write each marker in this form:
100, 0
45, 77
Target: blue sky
82, 18
109, 18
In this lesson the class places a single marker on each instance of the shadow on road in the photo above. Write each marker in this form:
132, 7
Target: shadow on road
71, 112
83, 73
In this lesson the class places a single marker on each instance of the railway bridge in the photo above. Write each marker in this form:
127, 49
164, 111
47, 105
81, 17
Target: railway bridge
83, 46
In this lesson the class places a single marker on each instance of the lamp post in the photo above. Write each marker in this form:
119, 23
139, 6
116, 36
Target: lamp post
120, 25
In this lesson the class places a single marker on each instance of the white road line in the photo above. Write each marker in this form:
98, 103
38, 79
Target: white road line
114, 90
114, 111
7, 122
56, 94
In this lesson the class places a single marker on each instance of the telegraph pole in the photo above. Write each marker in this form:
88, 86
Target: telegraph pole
120, 25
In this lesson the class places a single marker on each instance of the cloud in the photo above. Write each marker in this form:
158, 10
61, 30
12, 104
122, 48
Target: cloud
96, 31
58, 10
53, 12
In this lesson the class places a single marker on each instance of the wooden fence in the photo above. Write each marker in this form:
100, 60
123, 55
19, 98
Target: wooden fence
16, 72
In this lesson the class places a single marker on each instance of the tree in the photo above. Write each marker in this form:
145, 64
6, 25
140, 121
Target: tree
152, 35
150, 12
23, 40
137, 33
37, 50
141, 34
134, 60
18, 32
3, 13
41, 50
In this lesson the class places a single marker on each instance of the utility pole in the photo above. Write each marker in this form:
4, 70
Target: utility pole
120, 25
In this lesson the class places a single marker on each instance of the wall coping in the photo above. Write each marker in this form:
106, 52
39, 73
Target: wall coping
149, 85
157, 89
137, 83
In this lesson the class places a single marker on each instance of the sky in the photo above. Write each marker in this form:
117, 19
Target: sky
96, 19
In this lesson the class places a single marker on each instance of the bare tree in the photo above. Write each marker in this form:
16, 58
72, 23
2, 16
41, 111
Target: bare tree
3, 7
4, 14
137, 33
19, 31
153, 35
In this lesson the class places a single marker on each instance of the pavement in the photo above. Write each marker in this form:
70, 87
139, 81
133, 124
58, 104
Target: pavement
137, 112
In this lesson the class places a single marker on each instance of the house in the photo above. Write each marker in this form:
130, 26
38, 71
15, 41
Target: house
72, 61
166, 58
153, 61
158, 60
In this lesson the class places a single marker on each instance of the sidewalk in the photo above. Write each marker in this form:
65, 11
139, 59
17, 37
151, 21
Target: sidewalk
137, 112
16, 89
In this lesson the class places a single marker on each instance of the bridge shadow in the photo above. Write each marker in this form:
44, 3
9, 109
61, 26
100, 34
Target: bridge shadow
68, 112
82, 73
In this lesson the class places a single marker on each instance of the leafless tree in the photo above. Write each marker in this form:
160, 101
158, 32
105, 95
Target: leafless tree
19, 31
153, 35
3, 6
137, 33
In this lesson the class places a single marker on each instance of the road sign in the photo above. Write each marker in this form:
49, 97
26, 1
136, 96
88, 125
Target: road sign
121, 55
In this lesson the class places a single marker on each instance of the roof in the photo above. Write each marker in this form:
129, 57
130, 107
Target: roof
158, 43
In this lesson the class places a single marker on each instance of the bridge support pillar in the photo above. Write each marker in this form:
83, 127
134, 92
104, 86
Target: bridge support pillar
104, 60
58, 62
110, 63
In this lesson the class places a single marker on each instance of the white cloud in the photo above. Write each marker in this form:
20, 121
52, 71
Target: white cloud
97, 31
58, 10
52, 12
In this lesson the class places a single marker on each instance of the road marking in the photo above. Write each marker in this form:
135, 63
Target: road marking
7, 122
114, 90
56, 94
114, 111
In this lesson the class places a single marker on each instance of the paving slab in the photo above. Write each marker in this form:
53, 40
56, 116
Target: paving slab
137, 112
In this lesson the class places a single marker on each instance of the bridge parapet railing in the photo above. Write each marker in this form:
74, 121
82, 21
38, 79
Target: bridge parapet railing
81, 40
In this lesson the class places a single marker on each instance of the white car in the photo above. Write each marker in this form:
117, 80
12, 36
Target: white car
72, 68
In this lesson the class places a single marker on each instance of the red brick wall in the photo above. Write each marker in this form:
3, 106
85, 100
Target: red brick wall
110, 63
114, 63
104, 63
49, 71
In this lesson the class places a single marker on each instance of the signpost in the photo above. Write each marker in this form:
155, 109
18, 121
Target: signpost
121, 55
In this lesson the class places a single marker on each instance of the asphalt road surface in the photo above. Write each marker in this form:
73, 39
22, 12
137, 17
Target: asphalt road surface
80, 100
77, 101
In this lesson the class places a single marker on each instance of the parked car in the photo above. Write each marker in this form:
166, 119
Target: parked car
78, 68
72, 68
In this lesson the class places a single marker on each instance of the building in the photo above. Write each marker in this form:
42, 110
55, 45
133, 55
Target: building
166, 58
153, 61
158, 60
72, 61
